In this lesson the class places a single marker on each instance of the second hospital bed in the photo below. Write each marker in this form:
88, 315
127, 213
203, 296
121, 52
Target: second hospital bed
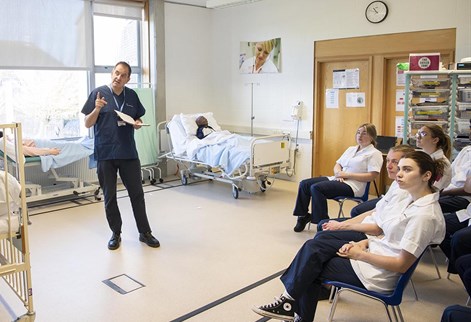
244, 162
56, 184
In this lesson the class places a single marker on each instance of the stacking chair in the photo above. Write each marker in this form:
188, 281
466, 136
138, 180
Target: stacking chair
341, 199
392, 300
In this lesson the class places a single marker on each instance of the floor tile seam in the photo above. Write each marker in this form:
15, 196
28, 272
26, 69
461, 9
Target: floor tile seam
228, 297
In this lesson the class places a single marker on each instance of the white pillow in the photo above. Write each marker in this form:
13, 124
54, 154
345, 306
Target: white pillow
189, 122
177, 134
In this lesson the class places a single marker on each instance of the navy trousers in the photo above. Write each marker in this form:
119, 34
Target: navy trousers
364, 207
458, 313
130, 173
315, 262
316, 191
452, 203
457, 240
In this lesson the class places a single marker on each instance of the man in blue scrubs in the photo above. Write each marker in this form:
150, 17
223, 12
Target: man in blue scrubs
115, 150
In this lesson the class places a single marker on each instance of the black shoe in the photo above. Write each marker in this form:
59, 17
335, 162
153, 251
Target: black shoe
302, 222
281, 309
149, 240
114, 241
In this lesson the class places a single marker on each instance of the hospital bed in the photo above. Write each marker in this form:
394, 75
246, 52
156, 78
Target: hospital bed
246, 163
57, 183
15, 267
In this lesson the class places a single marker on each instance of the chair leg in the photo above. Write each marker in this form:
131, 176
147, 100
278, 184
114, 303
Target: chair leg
389, 313
332, 293
376, 188
341, 209
434, 261
401, 318
334, 306
413, 288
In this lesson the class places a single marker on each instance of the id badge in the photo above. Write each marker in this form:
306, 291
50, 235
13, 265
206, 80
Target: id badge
121, 123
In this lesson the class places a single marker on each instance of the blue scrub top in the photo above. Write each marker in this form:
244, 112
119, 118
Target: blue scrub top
113, 142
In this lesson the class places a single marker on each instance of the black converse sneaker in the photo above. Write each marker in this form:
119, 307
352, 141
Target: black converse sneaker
281, 309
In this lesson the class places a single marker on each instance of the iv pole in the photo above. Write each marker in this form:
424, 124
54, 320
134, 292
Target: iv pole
252, 117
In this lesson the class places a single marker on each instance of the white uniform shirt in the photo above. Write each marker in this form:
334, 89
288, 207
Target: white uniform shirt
407, 225
368, 159
394, 194
445, 180
460, 169
464, 214
248, 67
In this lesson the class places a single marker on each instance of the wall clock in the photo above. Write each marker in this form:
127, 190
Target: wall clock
376, 11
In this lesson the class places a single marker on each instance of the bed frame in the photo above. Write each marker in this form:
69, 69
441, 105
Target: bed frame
269, 156
15, 267
63, 185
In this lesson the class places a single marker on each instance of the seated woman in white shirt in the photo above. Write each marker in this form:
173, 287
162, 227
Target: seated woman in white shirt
433, 140
392, 161
397, 235
358, 165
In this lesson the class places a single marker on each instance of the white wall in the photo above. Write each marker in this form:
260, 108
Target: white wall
202, 48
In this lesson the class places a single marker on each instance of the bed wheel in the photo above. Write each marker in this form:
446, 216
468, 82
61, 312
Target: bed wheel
152, 181
263, 186
184, 180
161, 180
235, 192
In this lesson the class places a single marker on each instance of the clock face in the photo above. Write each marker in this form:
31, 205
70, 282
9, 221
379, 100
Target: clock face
376, 11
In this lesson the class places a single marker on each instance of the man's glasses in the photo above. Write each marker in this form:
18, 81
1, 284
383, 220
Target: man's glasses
421, 134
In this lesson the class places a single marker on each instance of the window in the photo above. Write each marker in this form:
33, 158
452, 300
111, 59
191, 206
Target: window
45, 59
46, 102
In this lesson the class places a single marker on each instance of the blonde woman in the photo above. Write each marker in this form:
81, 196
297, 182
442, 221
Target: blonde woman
260, 62
358, 165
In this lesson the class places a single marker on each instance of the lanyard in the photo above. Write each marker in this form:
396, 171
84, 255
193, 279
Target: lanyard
116, 102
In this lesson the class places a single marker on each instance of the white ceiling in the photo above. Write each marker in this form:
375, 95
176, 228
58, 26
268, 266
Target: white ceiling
200, 3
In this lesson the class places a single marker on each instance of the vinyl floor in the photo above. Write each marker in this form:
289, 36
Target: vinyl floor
218, 257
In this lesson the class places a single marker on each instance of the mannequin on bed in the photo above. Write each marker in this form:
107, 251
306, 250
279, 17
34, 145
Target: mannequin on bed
203, 128
30, 149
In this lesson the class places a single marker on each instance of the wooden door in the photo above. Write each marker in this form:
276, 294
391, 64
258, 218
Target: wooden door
376, 57
339, 125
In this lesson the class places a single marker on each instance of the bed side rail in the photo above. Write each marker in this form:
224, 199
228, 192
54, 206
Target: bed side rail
274, 152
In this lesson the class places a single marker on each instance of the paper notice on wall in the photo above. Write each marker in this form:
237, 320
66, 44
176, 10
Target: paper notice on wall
399, 126
346, 78
332, 98
355, 99
400, 77
400, 99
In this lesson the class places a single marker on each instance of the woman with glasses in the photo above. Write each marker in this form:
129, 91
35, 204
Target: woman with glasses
436, 143
358, 165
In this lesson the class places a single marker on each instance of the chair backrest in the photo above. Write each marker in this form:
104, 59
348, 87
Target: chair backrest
367, 191
396, 296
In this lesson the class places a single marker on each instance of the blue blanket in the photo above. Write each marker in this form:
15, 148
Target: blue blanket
71, 151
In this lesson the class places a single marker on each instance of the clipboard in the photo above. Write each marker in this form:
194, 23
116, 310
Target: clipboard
126, 118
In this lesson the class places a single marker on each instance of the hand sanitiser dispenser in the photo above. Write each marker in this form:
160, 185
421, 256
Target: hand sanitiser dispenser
296, 112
